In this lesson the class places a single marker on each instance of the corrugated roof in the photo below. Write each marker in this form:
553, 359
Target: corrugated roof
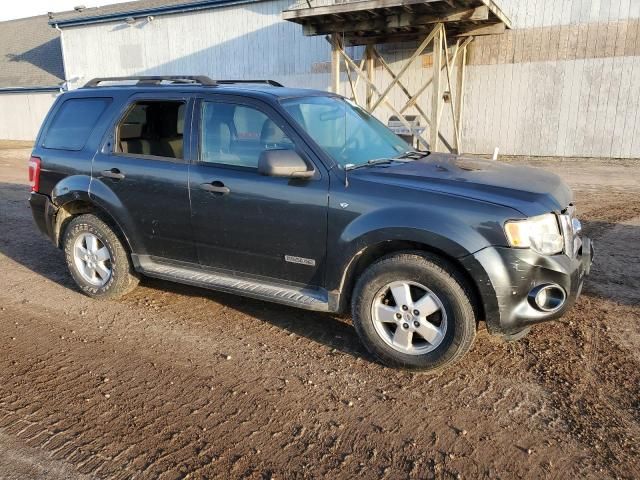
134, 9
30, 54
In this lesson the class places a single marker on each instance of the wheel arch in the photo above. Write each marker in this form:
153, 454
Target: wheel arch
83, 205
374, 252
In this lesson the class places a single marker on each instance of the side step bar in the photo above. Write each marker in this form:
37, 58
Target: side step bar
286, 294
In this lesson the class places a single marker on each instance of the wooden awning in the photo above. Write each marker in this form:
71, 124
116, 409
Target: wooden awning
381, 21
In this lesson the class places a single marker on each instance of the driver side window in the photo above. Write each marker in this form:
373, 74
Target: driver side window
234, 134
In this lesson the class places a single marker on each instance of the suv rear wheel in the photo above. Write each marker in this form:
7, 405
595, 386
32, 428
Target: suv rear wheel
413, 310
96, 258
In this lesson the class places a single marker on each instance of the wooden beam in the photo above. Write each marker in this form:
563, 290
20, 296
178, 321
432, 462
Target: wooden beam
494, 29
349, 7
375, 90
404, 89
497, 11
361, 66
454, 119
460, 86
436, 95
336, 44
370, 63
354, 94
398, 20
419, 50
426, 85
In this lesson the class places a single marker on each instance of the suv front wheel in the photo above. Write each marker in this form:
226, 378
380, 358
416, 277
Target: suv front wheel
97, 259
413, 310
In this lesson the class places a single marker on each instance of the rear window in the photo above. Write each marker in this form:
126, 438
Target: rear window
74, 122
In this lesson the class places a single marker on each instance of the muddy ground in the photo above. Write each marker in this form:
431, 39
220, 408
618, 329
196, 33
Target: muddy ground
176, 382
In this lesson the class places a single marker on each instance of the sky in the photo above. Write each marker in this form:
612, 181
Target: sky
30, 8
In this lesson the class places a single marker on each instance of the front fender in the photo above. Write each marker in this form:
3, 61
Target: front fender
457, 227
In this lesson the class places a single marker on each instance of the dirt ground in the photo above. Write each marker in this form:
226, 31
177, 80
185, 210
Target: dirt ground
178, 382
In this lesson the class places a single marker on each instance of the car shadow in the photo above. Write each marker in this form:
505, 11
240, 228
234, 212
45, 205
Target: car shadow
614, 276
333, 330
22, 242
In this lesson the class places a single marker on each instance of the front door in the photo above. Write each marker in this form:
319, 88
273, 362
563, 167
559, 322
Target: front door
245, 222
144, 168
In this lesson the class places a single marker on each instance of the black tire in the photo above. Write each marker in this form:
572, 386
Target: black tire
444, 281
123, 278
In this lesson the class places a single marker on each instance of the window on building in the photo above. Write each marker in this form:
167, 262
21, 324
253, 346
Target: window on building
153, 128
237, 135
74, 122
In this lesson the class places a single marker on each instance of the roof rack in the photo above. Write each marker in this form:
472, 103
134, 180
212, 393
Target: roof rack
273, 83
171, 80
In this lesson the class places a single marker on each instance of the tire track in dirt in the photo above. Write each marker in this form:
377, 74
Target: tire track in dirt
298, 397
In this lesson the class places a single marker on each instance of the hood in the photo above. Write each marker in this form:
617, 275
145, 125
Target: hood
529, 190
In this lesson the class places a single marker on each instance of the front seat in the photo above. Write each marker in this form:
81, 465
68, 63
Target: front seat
272, 136
216, 145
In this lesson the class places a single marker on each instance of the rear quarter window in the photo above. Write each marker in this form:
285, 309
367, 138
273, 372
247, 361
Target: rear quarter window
73, 123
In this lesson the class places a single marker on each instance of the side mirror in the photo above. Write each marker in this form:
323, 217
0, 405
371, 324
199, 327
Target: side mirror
283, 163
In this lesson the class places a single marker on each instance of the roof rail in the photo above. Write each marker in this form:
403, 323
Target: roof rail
172, 79
273, 83
153, 80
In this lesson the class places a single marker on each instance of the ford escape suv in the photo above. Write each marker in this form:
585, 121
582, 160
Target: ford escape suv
303, 198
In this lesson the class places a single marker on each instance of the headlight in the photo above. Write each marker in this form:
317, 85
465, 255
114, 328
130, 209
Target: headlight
540, 233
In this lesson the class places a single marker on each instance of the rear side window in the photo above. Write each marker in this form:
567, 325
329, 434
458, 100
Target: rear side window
74, 122
154, 128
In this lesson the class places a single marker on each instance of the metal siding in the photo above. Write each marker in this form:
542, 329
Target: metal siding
572, 87
23, 113
565, 81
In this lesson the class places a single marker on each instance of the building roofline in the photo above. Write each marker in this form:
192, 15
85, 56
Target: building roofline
52, 88
143, 12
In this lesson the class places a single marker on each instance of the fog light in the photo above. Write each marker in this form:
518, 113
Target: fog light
547, 298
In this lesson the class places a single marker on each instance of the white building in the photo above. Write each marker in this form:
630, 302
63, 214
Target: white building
564, 81
31, 72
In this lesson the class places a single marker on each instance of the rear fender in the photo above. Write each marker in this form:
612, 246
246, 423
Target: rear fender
96, 195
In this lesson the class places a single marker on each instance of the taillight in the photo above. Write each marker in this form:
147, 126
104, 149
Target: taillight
34, 173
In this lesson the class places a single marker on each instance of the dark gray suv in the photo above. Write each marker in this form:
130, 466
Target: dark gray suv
301, 197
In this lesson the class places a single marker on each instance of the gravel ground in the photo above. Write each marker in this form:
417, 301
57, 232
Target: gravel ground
175, 382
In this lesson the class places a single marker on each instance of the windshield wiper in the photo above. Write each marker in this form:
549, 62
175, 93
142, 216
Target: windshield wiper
413, 155
369, 163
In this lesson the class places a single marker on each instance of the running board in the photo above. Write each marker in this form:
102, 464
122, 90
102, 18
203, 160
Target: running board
286, 294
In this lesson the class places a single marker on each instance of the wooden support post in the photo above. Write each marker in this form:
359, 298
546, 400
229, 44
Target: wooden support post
336, 44
426, 85
452, 98
436, 95
460, 94
363, 75
370, 74
434, 33
354, 93
401, 85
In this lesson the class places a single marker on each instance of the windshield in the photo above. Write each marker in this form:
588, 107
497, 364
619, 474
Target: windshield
350, 135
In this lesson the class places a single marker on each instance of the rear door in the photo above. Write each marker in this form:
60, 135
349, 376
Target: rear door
142, 171
249, 223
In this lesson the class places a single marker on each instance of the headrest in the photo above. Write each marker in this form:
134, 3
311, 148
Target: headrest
271, 133
180, 126
130, 130
218, 136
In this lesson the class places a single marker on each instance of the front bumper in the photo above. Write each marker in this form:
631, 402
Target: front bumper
505, 276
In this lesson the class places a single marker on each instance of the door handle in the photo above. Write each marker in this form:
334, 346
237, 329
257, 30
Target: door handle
216, 187
113, 173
